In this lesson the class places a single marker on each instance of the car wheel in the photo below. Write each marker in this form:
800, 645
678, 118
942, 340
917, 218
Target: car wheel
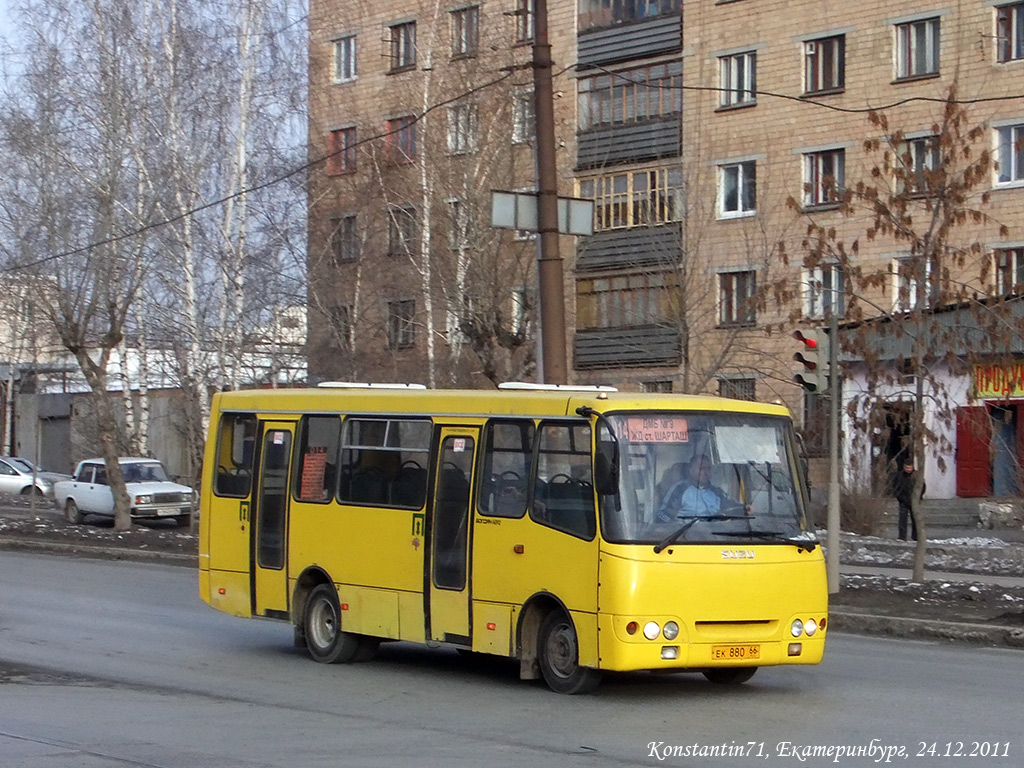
31, 490
729, 675
72, 513
184, 521
322, 627
558, 651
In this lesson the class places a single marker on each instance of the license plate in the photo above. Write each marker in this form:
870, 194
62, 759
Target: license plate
735, 652
163, 512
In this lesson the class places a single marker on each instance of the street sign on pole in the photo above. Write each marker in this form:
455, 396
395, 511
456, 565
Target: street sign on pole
518, 210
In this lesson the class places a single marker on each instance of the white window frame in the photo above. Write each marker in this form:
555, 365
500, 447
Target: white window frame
737, 79
1008, 270
917, 48
815, 72
924, 156
815, 173
907, 295
462, 128
823, 288
1010, 42
524, 123
344, 59
1009, 146
745, 186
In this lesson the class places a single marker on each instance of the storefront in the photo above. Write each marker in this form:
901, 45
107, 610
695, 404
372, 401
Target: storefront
989, 438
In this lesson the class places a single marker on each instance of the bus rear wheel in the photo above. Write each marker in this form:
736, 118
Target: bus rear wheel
729, 675
558, 652
322, 628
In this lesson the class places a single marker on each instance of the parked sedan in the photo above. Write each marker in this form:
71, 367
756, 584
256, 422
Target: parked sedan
20, 476
150, 491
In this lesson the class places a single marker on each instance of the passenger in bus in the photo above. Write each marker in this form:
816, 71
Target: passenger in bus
694, 494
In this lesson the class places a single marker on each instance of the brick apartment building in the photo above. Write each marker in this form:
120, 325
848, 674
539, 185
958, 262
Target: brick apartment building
710, 135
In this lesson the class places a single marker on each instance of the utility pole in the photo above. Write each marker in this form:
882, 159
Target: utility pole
552, 368
835, 391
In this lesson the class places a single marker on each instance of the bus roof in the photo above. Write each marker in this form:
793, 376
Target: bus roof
476, 402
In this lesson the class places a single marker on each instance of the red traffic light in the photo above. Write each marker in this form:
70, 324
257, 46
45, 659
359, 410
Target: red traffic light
809, 341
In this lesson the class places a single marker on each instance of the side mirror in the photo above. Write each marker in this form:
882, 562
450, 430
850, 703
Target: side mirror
606, 479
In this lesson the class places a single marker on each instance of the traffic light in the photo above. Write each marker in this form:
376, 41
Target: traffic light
814, 358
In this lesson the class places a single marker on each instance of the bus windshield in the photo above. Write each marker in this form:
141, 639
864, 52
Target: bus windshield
690, 477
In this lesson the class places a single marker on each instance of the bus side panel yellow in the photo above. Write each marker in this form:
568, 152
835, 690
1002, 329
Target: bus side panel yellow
361, 546
228, 591
411, 622
369, 611
492, 628
586, 635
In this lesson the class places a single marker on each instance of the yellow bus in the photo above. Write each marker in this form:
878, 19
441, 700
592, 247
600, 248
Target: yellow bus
576, 530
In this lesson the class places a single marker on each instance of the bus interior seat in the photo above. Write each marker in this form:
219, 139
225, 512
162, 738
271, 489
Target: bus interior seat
410, 487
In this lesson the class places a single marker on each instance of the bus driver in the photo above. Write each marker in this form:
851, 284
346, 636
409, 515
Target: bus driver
694, 494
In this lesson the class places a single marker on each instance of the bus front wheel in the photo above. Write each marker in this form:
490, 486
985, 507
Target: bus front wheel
558, 654
729, 675
322, 627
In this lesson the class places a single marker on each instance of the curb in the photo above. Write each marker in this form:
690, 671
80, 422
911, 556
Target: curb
901, 627
18, 544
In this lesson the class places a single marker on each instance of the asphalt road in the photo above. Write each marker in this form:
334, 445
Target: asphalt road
108, 664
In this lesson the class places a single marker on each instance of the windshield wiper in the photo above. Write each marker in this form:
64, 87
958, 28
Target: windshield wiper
802, 541
690, 520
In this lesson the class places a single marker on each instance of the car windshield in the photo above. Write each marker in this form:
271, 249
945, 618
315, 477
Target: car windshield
23, 464
148, 472
704, 477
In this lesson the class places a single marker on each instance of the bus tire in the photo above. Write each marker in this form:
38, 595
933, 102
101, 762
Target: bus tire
558, 656
729, 675
325, 641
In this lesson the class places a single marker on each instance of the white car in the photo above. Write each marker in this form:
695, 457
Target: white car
151, 492
20, 476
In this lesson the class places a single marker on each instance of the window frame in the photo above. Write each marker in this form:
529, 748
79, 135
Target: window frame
745, 189
524, 117
1009, 146
341, 157
526, 18
1009, 32
401, 323
401, 46
345, 238
819, 288
401, 139
738, 388
737, 80
403, 231
343, 59
815, 66
465, 28
627, 300
628, 95
1008, 271
817, 194
736, 310
907, 48
628, 198
907, 295
462, 128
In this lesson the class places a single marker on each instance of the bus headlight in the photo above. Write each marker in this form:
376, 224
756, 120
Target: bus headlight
651, 630
810, 627
671, 630
796, 628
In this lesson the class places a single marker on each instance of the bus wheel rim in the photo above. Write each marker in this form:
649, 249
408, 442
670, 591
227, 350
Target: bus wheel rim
562, 653
323, 624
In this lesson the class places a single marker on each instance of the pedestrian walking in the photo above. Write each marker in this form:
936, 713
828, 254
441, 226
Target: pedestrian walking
903, 490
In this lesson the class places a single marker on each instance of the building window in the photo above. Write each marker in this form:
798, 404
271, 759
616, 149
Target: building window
737, 189
1009, 271
631, 95
921, 160
824, 289
824, 64
917, 48
737, 389
635, 198
524, 122
737, 79
815, 424
525, 14
624, 301
403, 46
401, 328
342, 318
915, 283
345, 59
402, 231
458, 225
520, 311
342, 151
401, 139
661, 386
462, 129
1010, 32
465, 32
1010, 153
608, 13
344, 239
736, 298
824, 175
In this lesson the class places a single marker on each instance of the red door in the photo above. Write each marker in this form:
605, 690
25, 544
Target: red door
973, 462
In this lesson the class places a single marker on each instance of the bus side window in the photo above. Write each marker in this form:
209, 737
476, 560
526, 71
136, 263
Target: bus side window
235, 446
508, 448
318, 458
563, 495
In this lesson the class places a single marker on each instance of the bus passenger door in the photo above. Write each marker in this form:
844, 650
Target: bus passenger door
449, 536
269, 527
